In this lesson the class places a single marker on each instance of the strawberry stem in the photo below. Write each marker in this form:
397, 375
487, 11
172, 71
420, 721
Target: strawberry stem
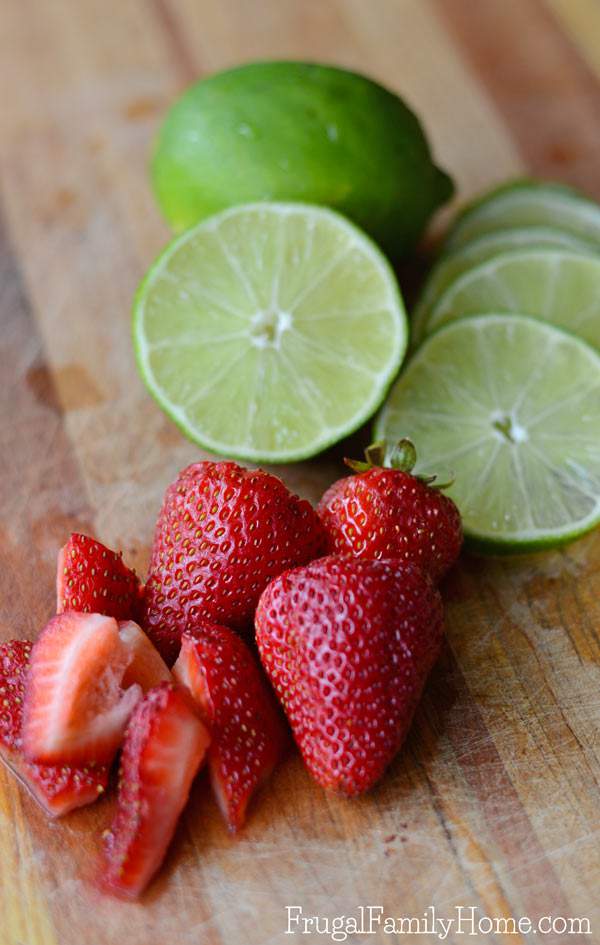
402, 456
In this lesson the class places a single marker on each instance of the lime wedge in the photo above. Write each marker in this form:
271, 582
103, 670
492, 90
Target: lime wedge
269, 331
557, 285
453, 264
527, 203
512, 406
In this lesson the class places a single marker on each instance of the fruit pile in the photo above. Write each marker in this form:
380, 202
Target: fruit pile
504, 381
269, 330
253, 598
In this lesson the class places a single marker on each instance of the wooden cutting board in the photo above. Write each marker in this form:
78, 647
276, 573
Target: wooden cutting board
494, 802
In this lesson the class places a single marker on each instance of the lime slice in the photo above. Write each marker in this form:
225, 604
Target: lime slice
269, 331
453, 264
559, 286
512, 406
528, 203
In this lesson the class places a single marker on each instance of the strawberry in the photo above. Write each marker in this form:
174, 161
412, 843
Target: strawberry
93, 579
58, 789
223, 533
348, 643
164, 746
385, 512
145, 666
75, 707
248, 733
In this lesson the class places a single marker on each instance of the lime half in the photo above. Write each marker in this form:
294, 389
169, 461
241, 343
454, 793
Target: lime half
512, 406
269, 331
554, 284
453, 264
527, 203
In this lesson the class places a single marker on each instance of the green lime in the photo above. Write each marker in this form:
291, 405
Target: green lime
512, 406
301, 132
269, 331
453, 264
527, 203
557, 285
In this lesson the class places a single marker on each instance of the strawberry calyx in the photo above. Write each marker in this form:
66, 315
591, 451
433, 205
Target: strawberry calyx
401, 456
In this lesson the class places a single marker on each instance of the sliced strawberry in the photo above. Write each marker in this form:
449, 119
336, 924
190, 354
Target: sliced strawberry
165, 745
75, 707
57, 788
247, 730
146, 666
92, 579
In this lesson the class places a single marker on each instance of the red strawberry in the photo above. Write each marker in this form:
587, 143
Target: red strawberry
165, 744
75, 707
58, 789
248, 733
223, 533
388, 513
92, 579
348, 644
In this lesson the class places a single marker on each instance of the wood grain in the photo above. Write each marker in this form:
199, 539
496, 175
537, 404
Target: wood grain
494, 800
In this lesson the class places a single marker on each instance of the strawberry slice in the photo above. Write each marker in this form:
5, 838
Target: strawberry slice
247, 730
75, 707
165, 745
92, 579
57, 789
146, 666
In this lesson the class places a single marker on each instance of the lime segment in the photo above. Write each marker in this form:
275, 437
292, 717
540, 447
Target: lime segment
528, 203
512, 405
559, 286
453, 264
269, 331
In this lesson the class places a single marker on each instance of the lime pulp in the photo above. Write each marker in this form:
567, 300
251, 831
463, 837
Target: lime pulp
269, 331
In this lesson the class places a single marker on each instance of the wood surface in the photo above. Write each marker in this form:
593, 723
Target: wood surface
494, 802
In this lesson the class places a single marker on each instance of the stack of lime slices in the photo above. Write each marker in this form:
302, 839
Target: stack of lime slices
504, 382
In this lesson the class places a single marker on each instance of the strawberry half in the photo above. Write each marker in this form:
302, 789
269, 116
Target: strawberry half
92, 579
248, 734
164, 746
75, 707
348, 644
58, 789
222, 534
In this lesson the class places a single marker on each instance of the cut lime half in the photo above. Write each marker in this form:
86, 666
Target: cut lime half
527, 203
453, 264
269, 331
512, 406
557, 285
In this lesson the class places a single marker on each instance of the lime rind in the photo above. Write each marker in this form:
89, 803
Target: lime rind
455, 263
214, 372
538, 490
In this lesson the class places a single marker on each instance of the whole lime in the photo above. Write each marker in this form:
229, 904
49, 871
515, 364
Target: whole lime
297, 131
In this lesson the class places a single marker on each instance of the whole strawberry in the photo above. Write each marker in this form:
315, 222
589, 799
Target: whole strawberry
348, 644
386, 512
222, 534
